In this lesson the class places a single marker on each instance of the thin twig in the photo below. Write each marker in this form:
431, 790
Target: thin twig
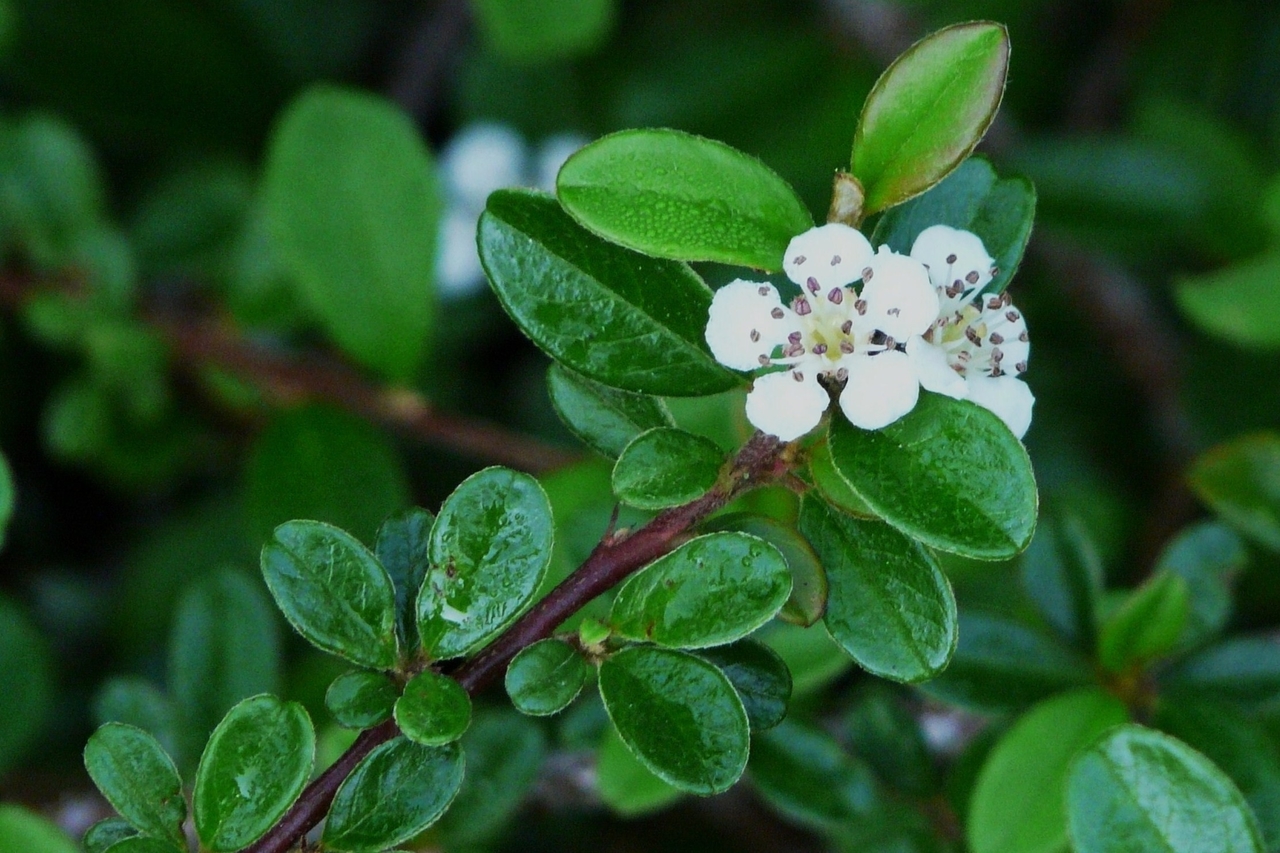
760, 461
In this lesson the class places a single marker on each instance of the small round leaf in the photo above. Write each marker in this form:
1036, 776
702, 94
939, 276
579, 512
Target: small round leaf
545, 677
360, 699
665, 467
433, 710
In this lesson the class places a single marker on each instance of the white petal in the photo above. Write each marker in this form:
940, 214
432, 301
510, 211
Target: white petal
935, 373
458, 270
481, 159
782, 405
551, 155
881, 389
833, 254
937, 243
738, 310
1007, 396
900, 300
1007, 335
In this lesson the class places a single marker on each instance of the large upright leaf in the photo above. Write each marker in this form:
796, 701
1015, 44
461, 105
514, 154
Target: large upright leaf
1147, 623
333, 591
949, 474
21, 830
605, 418
138, 779
888, 604
1139, 789
352, 203
675, 195
1239, 304
1208, 556
928, 111
1240, 481
1243, 669
540, 30
1062, 574
615, 316
489, 550
679, 715
972, 198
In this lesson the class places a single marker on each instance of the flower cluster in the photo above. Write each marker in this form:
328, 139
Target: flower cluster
874, 326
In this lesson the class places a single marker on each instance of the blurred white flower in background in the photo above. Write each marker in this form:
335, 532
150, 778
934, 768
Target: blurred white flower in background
478, 160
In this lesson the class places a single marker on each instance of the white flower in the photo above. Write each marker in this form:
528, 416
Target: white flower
829, 333
977, 345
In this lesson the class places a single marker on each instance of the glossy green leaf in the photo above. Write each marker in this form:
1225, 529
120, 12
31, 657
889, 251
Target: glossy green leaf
1208, 556
22, 831
225, 647
6, 496
674, 195
666, 467
804, 774
1238, 304
928, 111
621, 318
106, 832
1062, 574
1239, 746
759, 675
137, 702
255, 765
1244, 669
138, 779
1147, 623
605, 418
353, 205
1138, 789
545, 677
883, 731
539, 30
889, 606
972, 198
433, 710
679, 715
1001, 665
808, 598
832, 486
333, 591
26, 683
1240, 481
360, 699
398, 790
712, 590
1017, 806
625, 784
489, 551
402, 547
504, 754
949, 474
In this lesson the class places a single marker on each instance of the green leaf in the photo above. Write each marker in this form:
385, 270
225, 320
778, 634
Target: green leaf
804, 774
1147, 623
621, 318
1017, 804
1208, 556
928, 110
665, 467
1240, 481
759, 675
884, 732
1003, 665
106, 832
1244, 670
333, 591
22, 831
6, 496
604, 418
1138, 789
504, 754
810, 654
225, 647
889, 606
352, 204
1062, 574
255, 765
360, 699
808, 598
625, 784
138, 779
539, 30
674, 195
679, 715
403, 547
398, 790
26, 683
1239, 746
1238, 304
137, 702
712, 590
433, 710
833, 487
972, 198
489, 550
545, 677
949, 474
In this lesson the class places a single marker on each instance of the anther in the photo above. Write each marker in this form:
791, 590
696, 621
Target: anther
996, 355
954, 290
755, 336
776, 314
835, 260
972, 277
1023, 337
890, 343
993, 303
867, 272
846, 327
846, 347
836, 295
973, 336
1012, 316
1021, 367
764, 360
764, 290
1006, 299
996, 338
801, 306
860, 306
798, 260
996, 371
794, 337
894, 312
951, 259
797, 376
819, 349
995, 271
812, 284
